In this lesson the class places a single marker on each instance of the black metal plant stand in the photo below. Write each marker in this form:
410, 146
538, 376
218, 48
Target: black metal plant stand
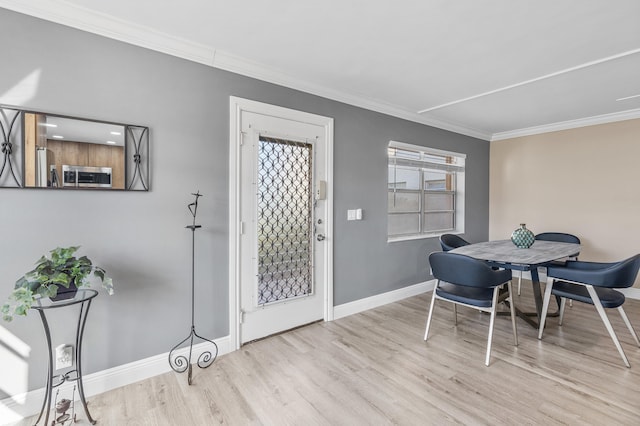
180, 363
84, 298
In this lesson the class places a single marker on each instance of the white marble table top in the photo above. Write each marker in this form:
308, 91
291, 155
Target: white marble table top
504, 251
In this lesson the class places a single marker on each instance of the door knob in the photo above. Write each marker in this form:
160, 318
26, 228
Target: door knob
320, 237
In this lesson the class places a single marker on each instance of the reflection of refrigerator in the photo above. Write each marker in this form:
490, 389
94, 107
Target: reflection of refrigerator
44, 164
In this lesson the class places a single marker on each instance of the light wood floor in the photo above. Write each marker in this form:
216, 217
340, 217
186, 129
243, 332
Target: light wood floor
374, 368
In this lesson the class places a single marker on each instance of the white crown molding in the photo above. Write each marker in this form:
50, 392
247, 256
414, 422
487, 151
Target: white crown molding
533, 80
71, 15
242, 66
85, 19
571, 124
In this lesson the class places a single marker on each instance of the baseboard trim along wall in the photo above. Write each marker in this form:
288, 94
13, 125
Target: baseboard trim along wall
361, 305
28, 404
631, 293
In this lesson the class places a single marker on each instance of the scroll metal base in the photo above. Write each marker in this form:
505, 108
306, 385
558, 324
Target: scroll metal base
180, 363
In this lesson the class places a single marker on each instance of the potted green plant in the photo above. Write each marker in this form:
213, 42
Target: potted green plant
57, 277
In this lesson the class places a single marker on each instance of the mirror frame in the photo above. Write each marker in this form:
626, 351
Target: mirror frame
13, 152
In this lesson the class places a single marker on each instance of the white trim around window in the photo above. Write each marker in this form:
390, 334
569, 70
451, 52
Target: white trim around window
425, 192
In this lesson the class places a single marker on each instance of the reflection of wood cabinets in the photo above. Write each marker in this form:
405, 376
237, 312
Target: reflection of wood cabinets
89, 154
35, 136
59, 152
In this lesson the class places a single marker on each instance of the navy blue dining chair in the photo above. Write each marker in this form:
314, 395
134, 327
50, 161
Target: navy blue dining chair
452, 241
593, 283
463, 280
560, 237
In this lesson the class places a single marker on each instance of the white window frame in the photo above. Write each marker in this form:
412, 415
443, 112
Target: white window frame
459, 190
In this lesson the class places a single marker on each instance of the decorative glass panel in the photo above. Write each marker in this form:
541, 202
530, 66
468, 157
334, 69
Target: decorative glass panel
284, 220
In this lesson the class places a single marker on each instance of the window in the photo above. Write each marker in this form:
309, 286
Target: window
425, 192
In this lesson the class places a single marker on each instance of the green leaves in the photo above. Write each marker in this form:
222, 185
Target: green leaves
107, 284
99, 272
61, 268
4, 310
18, 303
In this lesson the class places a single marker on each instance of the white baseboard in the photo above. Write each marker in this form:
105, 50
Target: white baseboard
361, 305
24, 405
631, 293
27, 404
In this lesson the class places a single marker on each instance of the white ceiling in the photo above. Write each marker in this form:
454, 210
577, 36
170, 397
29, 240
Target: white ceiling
491, 69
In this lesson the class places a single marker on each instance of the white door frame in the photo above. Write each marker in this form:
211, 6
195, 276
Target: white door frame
236, 107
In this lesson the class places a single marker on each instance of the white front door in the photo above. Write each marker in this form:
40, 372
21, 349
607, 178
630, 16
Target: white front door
283, 223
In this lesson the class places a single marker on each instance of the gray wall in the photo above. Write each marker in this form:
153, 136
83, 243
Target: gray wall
140, 237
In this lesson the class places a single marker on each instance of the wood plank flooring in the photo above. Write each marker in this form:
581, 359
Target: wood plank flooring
374, 368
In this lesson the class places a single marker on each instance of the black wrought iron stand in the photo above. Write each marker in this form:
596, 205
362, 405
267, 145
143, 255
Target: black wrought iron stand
180, 363
84, 298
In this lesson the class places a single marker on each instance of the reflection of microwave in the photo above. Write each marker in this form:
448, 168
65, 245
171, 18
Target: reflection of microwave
86, 176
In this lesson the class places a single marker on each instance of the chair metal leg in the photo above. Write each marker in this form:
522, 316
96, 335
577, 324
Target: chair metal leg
519, 282
513, 314
607, 323
629, 326
433, 302
455, 314
571, 300
545, 306
491, 322
563, 303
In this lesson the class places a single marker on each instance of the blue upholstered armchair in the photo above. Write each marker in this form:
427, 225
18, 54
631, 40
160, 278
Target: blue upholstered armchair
593, 283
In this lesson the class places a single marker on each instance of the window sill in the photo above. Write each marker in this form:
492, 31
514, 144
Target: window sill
418, 237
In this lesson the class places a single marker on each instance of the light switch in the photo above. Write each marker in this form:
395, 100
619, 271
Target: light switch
354, 214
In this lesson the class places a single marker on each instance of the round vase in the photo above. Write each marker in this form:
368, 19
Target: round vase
522, 237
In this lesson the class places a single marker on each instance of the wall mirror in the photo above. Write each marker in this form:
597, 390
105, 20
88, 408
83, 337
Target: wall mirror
43, 150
